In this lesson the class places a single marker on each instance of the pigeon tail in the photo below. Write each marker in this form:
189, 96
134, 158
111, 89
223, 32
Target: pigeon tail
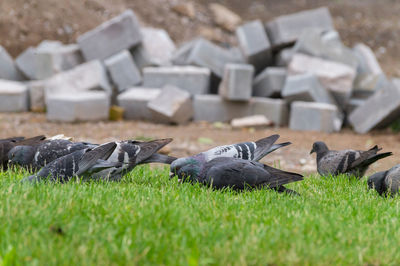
147, 149
90, 158
371, 159
32, 141
280, 177
266, 146
159, 158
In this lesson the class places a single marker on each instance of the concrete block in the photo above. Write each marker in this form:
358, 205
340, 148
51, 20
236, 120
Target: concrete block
270, 82
378, 111
123, 71
119, 33
326, 45
209, 55
26, 63
13, 96
237, 82
53, 59
306, 88
308, 116
135, 100
195, 80
283, 58
172, 105
82, 106
156, 49
8, 69
251, 121
90, 76
36, 90
276, 110
285, 30
353, 104
213, 108
368, 64
338, 78
254, 43
181, 55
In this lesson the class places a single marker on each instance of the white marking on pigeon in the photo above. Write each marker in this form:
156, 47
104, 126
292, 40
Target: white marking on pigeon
221, 151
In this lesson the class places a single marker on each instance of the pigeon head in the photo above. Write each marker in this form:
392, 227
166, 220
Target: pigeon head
377, 181
186, 168
319, 147
21, 155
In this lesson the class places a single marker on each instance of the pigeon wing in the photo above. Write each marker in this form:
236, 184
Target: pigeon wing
147, 149
90, 157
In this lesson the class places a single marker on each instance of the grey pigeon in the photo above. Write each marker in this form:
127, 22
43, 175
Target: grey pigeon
130, 153
7, 144
81, 163
350, 162
386, 182
250, 151
37, 156
238, 174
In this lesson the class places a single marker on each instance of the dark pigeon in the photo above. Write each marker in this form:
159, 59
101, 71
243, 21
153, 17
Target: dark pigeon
81, 163
238, 174
7, 144
249, 151
130, 153
36, 156
386, 182
350, 162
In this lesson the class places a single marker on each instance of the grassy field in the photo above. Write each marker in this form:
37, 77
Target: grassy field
149, 219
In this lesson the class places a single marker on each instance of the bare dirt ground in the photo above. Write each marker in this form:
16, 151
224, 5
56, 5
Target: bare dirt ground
196, 137
27, 22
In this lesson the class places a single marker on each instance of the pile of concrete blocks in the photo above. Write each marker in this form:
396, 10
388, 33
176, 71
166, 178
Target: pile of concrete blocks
291, 71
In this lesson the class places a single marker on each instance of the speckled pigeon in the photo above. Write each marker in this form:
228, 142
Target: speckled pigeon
7, 144
249, 151
350, 162
81, 163
130, 153
38, 155
386, 182
238, 174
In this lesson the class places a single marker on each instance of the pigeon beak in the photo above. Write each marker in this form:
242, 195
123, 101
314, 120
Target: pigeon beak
312, 151
171, 174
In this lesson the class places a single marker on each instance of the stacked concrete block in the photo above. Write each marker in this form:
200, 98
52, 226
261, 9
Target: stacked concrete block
326, 45
8, 69
195, 80
378, 111
123, 70
111, 37
172, 105
306, 88
353, 104
336, 77
284, 57
135, 100
75, 107
287, 29
53, 59
90, 76
237, 82
180, 56
156, 49
26, 63
269, 83
254, 43
203, 53
321, 117
13, 96
213, 108
276, 110
36, 90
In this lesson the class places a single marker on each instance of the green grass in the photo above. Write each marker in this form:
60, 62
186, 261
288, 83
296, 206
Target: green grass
148, 219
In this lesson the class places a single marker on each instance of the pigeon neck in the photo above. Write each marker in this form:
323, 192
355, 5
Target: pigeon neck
321, 154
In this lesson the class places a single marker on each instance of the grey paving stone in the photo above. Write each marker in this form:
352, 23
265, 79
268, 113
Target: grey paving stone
276, 110
123, 70
26, 63
195, 80
8, 69
237, 82
119, 33
270, 82
135, 100
36, 90
13, 96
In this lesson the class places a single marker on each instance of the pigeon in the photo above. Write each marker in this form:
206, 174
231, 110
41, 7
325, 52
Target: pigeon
350, 162
386, 182
38, 155
81, 163
236, 173
130, 153
249, 151
7, 144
